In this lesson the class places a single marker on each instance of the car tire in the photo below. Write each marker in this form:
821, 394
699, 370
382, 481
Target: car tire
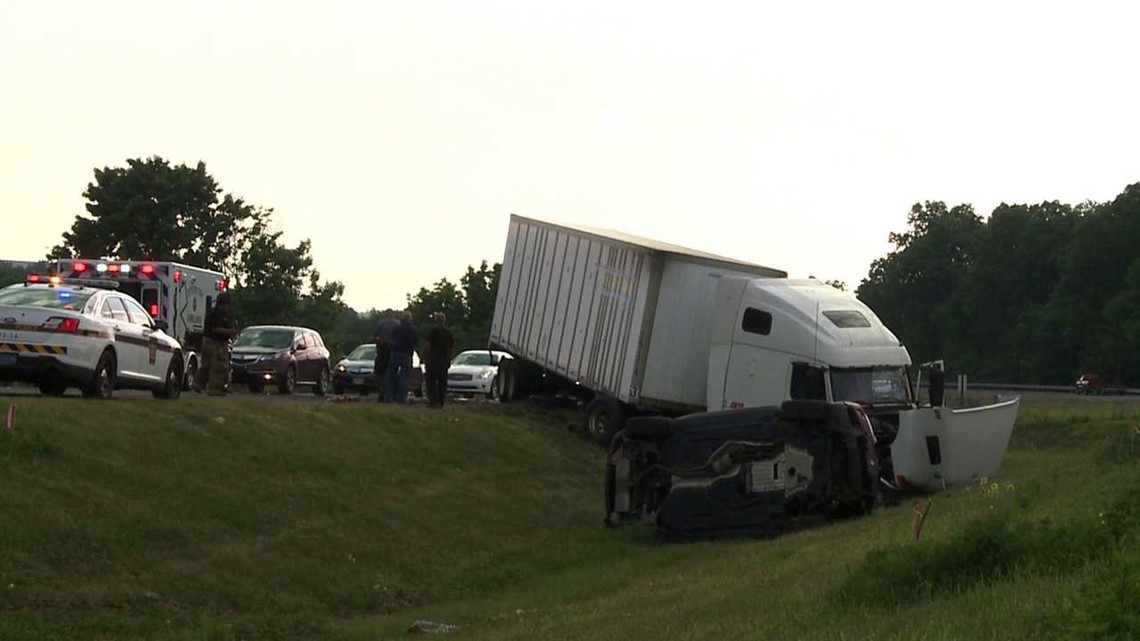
496, 393
322, 386
288, 382
172, 386
53, 388
102, 383
605, 416
191, 374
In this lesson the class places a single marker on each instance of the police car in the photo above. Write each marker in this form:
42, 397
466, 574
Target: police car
57, 334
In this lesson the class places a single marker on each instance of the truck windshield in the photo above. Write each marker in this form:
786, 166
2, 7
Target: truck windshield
870, 385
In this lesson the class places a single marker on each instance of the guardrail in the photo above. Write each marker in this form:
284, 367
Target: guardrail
1021, 387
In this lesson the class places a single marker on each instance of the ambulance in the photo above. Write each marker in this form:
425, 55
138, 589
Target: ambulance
178, 294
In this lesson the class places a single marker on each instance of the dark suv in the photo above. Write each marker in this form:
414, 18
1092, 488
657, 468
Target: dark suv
281, 355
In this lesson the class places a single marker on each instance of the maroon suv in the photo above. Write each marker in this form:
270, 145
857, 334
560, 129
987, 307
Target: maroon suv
280, 355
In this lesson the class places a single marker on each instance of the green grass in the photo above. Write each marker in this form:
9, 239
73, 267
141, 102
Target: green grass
248, 518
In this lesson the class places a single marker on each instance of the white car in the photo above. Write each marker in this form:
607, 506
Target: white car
476, 372
57, 335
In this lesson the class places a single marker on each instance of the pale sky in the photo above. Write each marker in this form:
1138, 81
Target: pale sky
399, 137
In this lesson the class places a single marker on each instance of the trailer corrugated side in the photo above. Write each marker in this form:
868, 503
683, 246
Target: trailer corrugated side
621, 315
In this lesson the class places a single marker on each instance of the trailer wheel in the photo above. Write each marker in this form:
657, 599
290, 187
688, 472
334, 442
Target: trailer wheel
605, 416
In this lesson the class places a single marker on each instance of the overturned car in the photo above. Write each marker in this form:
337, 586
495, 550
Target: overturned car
750, 471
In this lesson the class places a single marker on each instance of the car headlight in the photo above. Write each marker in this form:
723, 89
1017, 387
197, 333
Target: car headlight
485, 375
341, 368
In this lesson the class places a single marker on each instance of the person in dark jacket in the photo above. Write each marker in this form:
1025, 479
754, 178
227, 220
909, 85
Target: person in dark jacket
383, 338
440, 344
405, 339
214, 370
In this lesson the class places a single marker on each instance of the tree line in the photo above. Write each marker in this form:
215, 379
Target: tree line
153, 210
1030, 294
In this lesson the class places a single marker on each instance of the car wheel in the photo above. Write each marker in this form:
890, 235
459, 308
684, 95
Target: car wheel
191, 374
322, 386
172, 387
288, 382
496, 393
102, 383
53, 388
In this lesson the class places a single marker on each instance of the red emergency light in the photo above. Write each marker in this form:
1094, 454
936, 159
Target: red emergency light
154, 310
34, 278
178, 276
147, 269
222, 285
112, 268
79, 268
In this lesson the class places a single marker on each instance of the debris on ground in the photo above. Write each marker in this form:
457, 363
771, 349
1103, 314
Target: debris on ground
422, 626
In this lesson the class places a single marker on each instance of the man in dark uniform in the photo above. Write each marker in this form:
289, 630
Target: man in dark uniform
440, 344
214, 370
383, 338
405, 339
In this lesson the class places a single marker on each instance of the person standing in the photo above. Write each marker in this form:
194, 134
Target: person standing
440, 344
214, 370
383, 339
405, 339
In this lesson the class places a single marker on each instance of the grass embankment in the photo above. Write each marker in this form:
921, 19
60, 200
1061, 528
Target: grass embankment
251, 518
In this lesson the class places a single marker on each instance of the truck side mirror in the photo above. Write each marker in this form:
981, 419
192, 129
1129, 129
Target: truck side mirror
937, 387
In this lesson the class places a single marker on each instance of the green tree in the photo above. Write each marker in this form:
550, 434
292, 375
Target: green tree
915, 288
151, 209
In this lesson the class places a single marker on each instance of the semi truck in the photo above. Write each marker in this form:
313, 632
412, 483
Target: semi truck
634, 326
176, 293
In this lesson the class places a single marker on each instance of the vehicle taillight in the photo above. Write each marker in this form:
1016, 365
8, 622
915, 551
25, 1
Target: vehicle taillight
222, 285
147, 269
79, 268
61, 324
34, 278
154, 310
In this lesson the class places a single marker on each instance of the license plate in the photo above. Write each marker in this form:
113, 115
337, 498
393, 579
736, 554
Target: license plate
7, 359
358, 380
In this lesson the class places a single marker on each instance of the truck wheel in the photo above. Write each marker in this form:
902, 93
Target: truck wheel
605, 417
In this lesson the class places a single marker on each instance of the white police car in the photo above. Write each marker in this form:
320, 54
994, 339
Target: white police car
56, 335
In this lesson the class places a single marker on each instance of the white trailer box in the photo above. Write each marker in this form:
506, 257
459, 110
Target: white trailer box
621, 315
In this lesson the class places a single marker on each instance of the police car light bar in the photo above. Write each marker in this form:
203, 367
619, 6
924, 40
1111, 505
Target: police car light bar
52, 281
